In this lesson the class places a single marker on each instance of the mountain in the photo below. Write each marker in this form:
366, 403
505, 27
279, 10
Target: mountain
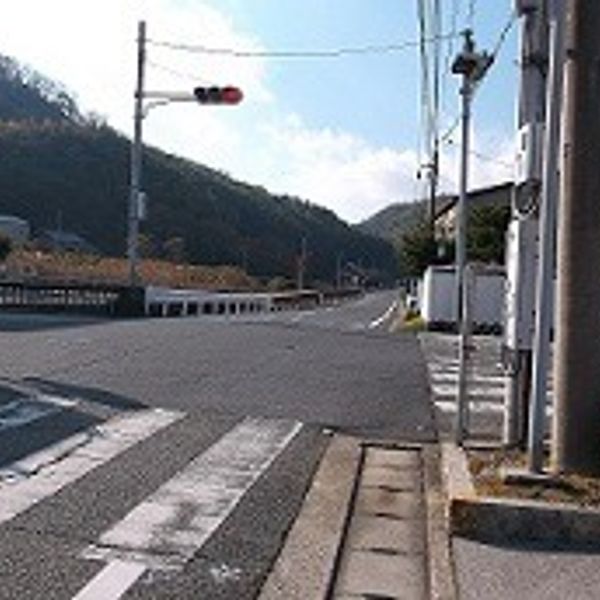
58, 164
392, 222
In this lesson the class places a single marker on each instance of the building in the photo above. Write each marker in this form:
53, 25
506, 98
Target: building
57, 240
496, 195
15, 228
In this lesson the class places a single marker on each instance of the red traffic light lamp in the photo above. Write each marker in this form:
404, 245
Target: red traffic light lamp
218, 95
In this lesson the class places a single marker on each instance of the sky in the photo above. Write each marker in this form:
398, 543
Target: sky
342, 132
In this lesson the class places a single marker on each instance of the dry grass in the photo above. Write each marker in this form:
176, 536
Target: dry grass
74, 267
487, 468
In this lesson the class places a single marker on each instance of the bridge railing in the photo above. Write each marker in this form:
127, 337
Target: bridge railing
152, 301
79, 298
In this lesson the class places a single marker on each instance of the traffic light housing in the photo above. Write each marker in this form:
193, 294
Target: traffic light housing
218, 95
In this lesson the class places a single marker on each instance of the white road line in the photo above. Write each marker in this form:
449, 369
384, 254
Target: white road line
496, 380
384, 317
182, 514
44, 473
172, 524
31, 408
472, 390
478, 406
112, 582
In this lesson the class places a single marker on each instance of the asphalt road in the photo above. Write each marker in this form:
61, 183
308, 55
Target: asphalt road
177, 398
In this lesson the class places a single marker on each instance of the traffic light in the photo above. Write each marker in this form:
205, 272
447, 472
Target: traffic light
218, 95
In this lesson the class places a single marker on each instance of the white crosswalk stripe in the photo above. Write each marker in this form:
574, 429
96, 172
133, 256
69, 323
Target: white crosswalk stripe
165, 528
40, 475
170, 526
486, 380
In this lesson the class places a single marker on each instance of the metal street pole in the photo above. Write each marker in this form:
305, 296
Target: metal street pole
576, 427
133, 222
522, 237
472, 66
544, 310
461, 253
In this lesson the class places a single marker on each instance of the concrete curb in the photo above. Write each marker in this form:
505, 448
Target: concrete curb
304, 566
442, 582
499, 520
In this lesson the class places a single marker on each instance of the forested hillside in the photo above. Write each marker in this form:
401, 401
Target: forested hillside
57, 163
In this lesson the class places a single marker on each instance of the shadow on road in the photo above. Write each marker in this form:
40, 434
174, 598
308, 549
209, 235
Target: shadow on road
25, 322
89, 394
41, 413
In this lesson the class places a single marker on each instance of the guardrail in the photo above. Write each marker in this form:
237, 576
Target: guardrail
166, 302
79, 298
124, 301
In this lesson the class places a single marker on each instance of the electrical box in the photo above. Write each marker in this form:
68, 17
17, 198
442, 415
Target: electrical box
521, 269
142, 201
530, 154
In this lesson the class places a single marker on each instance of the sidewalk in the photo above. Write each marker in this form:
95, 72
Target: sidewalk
508, 570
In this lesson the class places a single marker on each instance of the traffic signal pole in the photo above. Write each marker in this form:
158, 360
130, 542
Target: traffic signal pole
133, 218
211, 95
576, 431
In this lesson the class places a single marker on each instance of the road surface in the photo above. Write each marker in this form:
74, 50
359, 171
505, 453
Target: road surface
167, 458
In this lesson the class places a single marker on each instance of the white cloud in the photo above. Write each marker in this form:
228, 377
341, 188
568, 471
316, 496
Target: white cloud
490, 162
90, 46
339, 170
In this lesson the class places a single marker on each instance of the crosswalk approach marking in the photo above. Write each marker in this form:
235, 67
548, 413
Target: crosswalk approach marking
44, 473
173, 523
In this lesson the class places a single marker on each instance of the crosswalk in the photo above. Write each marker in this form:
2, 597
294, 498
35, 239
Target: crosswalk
486, 382
486, 378
153, 536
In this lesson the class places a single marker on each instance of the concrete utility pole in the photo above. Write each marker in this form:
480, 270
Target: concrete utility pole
544, 310
301, 264
472, 66
135, 191
523, 230
576, 442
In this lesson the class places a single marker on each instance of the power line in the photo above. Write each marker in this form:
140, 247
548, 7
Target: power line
178, 73
283, 54
491, 159
453, 127
512, 19
471, 12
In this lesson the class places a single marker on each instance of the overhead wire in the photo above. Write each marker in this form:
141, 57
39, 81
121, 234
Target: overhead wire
178, 73
292, 54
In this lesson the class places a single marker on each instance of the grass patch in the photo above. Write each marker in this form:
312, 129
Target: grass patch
487, 468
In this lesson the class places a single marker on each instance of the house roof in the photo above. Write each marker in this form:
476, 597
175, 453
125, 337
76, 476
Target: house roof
448, 202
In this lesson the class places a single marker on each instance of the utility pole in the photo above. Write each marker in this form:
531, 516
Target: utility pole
135, 190
523, 229
338, 270
301, 264
433, 183
576, 441
213, 95
544, 310
472, 66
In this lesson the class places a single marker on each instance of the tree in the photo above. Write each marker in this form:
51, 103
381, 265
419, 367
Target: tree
486, 233
174, 249
5, 247
418, 250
